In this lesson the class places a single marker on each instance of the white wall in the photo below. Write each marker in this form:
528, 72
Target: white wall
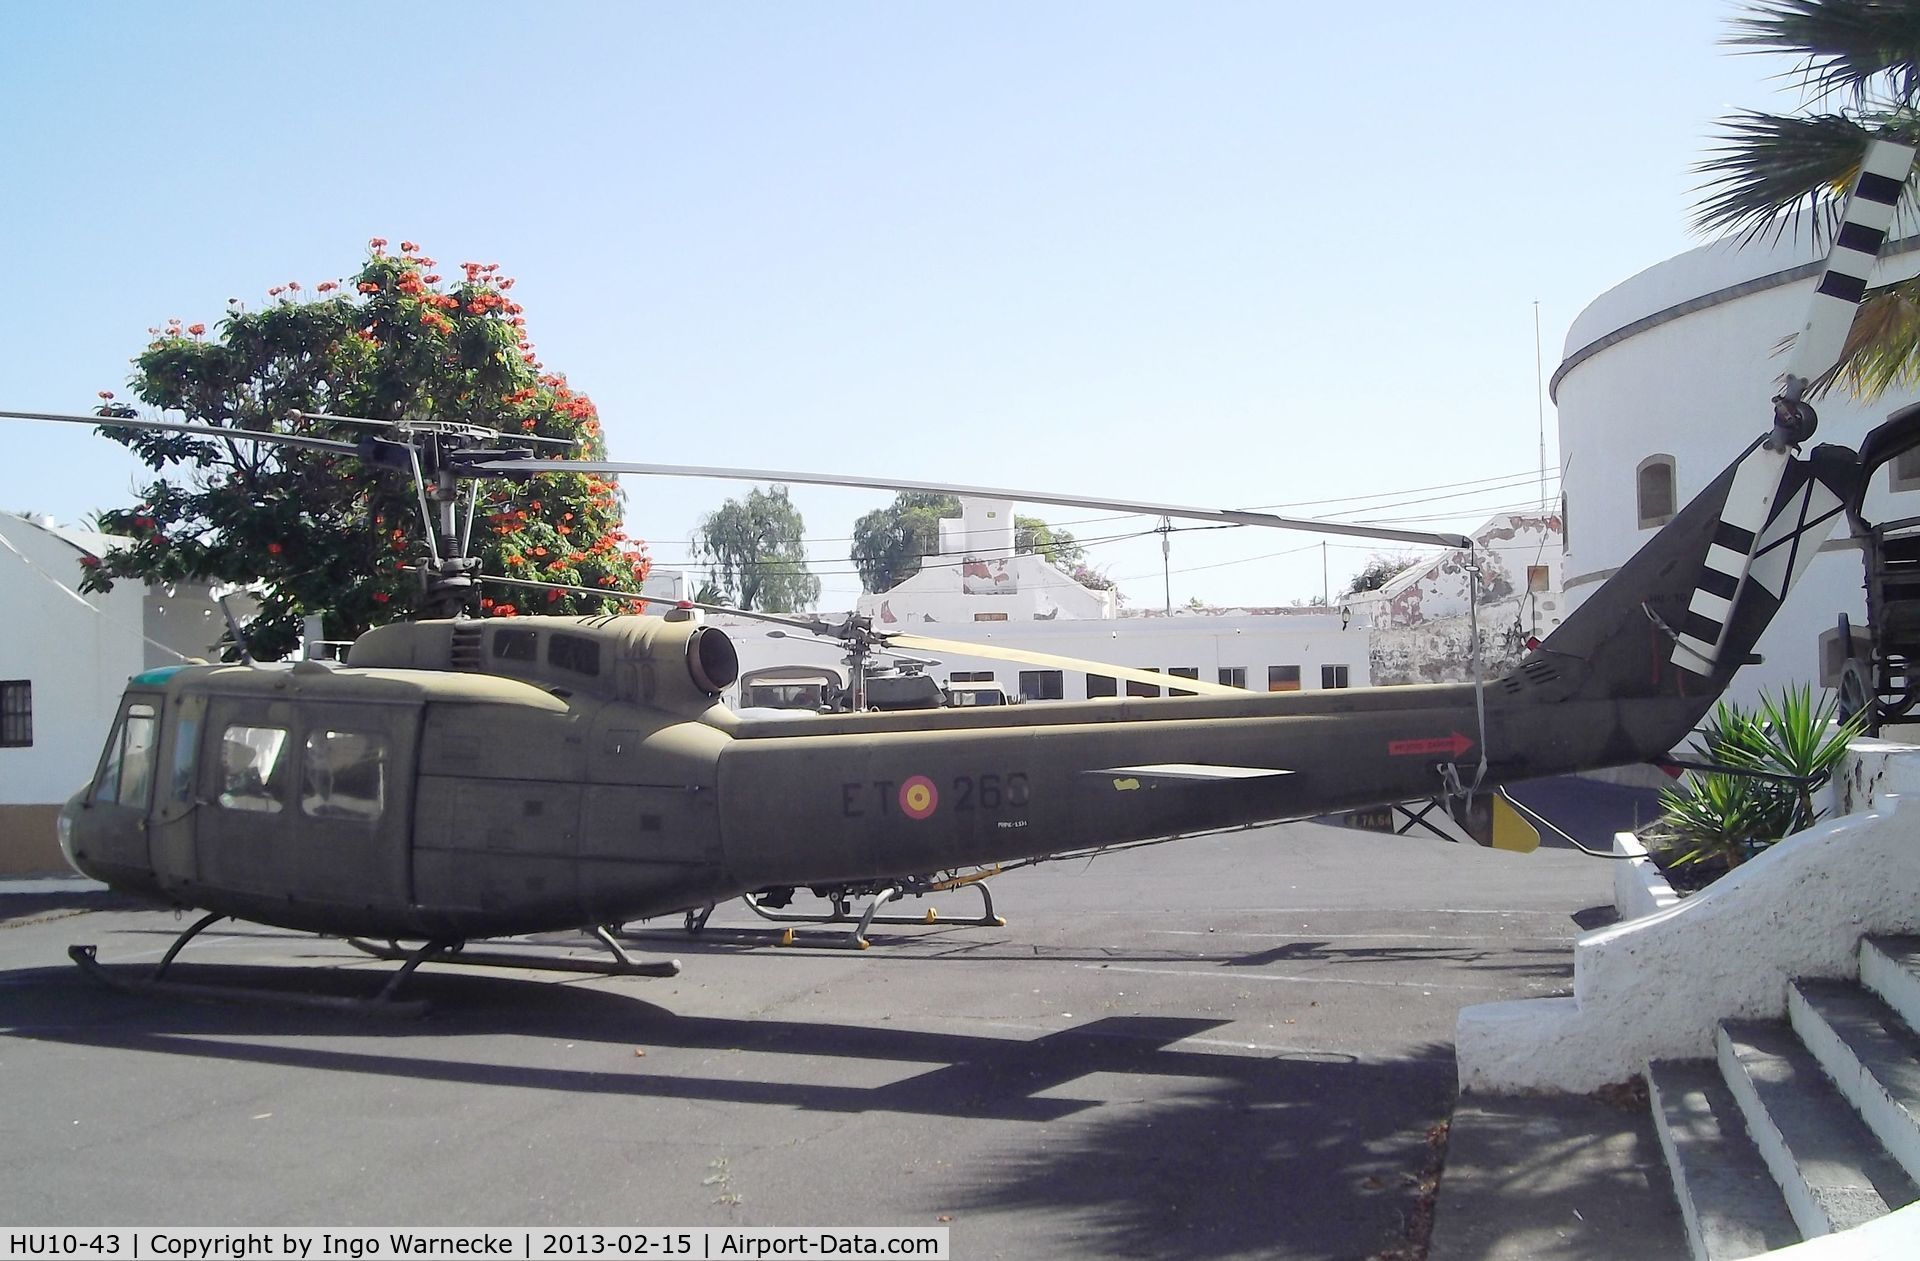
77, 655
1697, 387
1205, 643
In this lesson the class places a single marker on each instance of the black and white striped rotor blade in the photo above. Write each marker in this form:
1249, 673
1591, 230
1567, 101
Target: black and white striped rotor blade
1353, 529
1856, 247
1759, 516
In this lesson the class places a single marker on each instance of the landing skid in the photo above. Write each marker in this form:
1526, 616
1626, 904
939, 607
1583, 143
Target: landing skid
131, 980
842, 899
622, 964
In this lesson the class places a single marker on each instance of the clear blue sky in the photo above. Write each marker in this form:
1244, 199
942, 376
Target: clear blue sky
1229, 254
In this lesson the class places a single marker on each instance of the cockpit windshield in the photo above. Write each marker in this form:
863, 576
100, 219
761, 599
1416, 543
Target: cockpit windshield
127, 770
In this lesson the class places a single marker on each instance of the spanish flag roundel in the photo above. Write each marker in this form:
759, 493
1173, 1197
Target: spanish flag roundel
918, 797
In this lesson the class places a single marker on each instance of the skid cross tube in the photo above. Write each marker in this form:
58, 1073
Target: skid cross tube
622, 964
891, 891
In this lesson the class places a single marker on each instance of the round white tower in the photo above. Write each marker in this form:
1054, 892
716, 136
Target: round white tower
1666, 379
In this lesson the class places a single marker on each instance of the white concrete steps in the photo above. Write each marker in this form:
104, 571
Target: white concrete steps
1728, 1198
1832, 1170
1802, 1127
1872, 1057
1890, 967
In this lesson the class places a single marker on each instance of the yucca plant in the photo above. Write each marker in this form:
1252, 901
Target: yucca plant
1716, 816
1729, 817
1803, 740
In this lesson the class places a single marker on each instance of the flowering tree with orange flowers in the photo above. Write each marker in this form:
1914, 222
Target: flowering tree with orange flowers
324, 533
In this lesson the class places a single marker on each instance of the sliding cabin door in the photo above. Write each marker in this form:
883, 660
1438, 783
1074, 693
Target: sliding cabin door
307, 803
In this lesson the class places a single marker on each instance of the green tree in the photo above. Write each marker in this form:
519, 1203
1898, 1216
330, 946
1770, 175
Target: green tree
890, 543
1859, 72
327, 534
755, 550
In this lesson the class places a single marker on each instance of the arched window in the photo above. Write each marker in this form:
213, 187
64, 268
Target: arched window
1653, 487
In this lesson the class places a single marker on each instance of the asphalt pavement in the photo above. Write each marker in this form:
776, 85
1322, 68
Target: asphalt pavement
1231, 1046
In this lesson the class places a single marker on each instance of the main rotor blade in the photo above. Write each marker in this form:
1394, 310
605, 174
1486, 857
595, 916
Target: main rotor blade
204, 431
1229, 515
1081, 665
428, 426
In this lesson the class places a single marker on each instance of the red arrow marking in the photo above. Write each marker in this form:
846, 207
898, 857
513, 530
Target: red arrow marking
1455, 744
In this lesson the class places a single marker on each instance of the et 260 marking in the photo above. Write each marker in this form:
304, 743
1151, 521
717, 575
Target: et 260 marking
918, 797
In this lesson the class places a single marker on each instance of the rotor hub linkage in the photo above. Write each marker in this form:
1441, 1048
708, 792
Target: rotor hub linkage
438, 460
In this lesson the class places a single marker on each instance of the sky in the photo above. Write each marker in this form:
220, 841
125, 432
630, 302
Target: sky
1213, 253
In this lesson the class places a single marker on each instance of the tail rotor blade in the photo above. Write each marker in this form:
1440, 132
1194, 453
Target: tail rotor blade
1754, 501
1863, 230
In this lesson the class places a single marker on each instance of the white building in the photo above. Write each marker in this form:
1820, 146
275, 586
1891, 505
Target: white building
988, 582
1518, 554
990, 595
64, 660
1666, 379
1423, 617
1263, 653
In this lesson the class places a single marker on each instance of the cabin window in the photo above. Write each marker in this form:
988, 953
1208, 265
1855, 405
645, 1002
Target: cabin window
970, 676
516, 645
1653, 483
16, 714
1283, 678
250, 763
1333, 676
136, 759
344, 776
1043, 685
1182, 672
1099, 685
1904, 472
574, 652
1143, 689
787, 695
1233, 676
128, 771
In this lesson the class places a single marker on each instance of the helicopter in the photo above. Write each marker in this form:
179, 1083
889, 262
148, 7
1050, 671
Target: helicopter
461, 779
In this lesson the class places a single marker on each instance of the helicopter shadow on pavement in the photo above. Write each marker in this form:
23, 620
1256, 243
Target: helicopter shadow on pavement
1211, 1150
965, 1075
961, 946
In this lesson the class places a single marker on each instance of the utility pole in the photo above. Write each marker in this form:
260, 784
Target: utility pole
1540, 403
1326, 592
1166, 559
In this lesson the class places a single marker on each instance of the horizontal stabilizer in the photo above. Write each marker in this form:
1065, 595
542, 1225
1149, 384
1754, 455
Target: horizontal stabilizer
1192, 771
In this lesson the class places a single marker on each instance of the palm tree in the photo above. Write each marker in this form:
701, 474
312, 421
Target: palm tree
1859, 74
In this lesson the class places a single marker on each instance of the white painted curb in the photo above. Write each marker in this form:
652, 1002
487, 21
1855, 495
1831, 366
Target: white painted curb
1638, 887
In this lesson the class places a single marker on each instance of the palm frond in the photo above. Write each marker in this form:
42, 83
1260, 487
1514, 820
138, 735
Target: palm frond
1780, 171
1845, 46
1883, 347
